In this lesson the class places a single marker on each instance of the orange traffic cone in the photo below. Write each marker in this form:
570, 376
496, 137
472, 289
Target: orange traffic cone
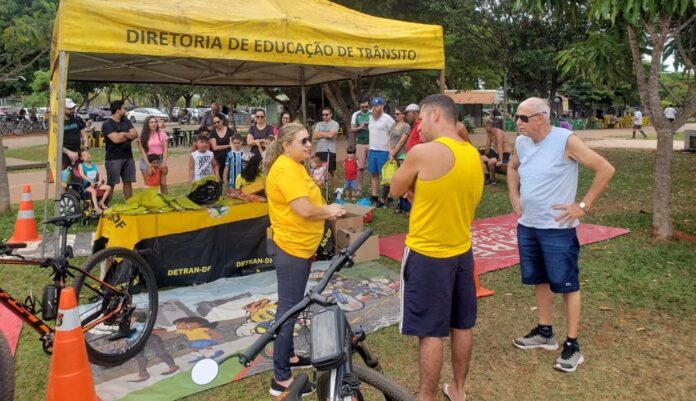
480, 291
25, 226
70, 377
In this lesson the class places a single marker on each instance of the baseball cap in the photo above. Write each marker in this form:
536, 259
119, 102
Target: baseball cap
377, 101
412, 107
69, 104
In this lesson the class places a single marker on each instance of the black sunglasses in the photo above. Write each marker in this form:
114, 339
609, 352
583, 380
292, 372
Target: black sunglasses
525, 119
260, 116
325, 115
305, 141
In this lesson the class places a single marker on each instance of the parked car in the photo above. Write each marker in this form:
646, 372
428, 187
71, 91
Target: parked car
83, 114
7, 113
139, 114
99, 113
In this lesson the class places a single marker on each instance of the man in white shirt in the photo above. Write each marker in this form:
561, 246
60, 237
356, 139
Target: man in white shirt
638, 123
380, 125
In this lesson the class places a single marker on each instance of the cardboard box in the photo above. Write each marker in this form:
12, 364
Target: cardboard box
369, 249
352, 221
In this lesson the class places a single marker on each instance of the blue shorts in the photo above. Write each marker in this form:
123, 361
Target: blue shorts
376, 160
549, 256
437, 294
351, 185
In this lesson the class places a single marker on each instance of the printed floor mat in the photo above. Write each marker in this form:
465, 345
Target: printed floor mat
494, 241
226, 316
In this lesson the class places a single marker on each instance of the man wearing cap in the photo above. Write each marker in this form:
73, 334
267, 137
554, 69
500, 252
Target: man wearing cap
380, 125
119, 133
74, 135
358, 126
413, 118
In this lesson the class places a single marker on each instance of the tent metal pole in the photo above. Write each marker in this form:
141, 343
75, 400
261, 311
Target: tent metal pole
304, 95
60, 126
442, 81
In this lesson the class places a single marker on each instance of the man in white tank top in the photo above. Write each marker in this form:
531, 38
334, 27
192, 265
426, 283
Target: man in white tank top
542, 183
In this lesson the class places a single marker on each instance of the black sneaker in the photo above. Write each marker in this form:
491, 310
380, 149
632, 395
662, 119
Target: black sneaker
570, 358
277, 389
491, 181
379, 204
302, 362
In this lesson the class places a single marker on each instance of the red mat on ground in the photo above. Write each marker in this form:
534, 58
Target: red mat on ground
495, 241
10, 326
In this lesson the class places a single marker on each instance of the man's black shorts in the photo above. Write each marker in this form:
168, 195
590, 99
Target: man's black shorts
323, 156
437, 294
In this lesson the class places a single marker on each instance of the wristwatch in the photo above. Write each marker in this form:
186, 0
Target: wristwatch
582, 205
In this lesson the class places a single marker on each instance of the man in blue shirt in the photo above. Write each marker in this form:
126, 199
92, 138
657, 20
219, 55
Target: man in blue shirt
542, 183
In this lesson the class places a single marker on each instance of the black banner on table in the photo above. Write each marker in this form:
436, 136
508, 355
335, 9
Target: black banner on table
208, 254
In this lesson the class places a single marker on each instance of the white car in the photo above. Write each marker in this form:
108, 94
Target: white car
141, 113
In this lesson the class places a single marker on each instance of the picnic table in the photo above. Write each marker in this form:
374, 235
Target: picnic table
182, 135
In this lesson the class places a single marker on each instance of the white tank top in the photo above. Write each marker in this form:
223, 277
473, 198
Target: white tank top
202, 164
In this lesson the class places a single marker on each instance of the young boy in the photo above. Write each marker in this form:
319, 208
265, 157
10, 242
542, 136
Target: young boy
97, 190
202, 163
350, 166
233, 164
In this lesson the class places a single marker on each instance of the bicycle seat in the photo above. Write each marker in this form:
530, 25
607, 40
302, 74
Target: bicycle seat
64, 221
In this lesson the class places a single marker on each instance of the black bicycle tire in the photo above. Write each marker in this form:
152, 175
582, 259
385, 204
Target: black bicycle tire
108, 360
392, 391
7, 370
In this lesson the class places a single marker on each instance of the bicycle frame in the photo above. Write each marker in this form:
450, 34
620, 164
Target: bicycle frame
61, 270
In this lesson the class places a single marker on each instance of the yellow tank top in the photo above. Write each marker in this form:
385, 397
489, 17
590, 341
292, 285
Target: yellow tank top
443, 209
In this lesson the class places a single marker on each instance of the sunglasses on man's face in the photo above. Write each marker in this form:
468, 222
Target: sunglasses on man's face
525, 119
326, 115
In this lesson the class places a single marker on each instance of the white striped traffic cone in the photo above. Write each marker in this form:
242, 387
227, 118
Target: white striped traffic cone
25, 226
70, 377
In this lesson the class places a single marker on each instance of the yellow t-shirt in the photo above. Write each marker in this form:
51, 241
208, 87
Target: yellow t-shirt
443, 209
288, 180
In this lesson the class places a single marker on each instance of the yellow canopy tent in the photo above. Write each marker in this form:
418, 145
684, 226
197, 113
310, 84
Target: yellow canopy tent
229, 42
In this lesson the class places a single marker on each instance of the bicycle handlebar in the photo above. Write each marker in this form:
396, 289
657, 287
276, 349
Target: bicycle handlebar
246, 357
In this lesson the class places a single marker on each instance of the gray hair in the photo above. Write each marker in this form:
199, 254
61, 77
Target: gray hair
538, 105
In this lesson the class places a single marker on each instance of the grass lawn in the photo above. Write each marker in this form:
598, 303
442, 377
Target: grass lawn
637, 329
38, 153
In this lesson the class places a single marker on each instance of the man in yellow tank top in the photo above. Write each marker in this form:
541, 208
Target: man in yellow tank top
438, 293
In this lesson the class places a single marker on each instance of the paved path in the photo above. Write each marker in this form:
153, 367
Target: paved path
178, 165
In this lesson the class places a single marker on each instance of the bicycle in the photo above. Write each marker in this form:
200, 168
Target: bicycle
333, 342
114, 288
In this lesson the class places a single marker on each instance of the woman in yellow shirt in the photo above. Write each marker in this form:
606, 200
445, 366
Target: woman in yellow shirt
297, 212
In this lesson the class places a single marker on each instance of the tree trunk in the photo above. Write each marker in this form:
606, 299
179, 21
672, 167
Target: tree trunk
662, 195
187, 99
4, 182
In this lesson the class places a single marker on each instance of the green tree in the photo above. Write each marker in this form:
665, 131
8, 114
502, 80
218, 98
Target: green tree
654, 30
25, 38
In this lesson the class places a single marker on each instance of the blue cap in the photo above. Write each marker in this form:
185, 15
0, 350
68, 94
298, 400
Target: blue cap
377, 101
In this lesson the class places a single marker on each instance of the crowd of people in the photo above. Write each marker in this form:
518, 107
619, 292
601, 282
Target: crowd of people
439, 180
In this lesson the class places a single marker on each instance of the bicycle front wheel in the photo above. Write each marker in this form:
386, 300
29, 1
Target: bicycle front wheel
373, 386
6, 370
117, 303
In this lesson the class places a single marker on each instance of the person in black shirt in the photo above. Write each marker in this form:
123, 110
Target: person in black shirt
259, 132
207, 120
118, 134
74, 135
